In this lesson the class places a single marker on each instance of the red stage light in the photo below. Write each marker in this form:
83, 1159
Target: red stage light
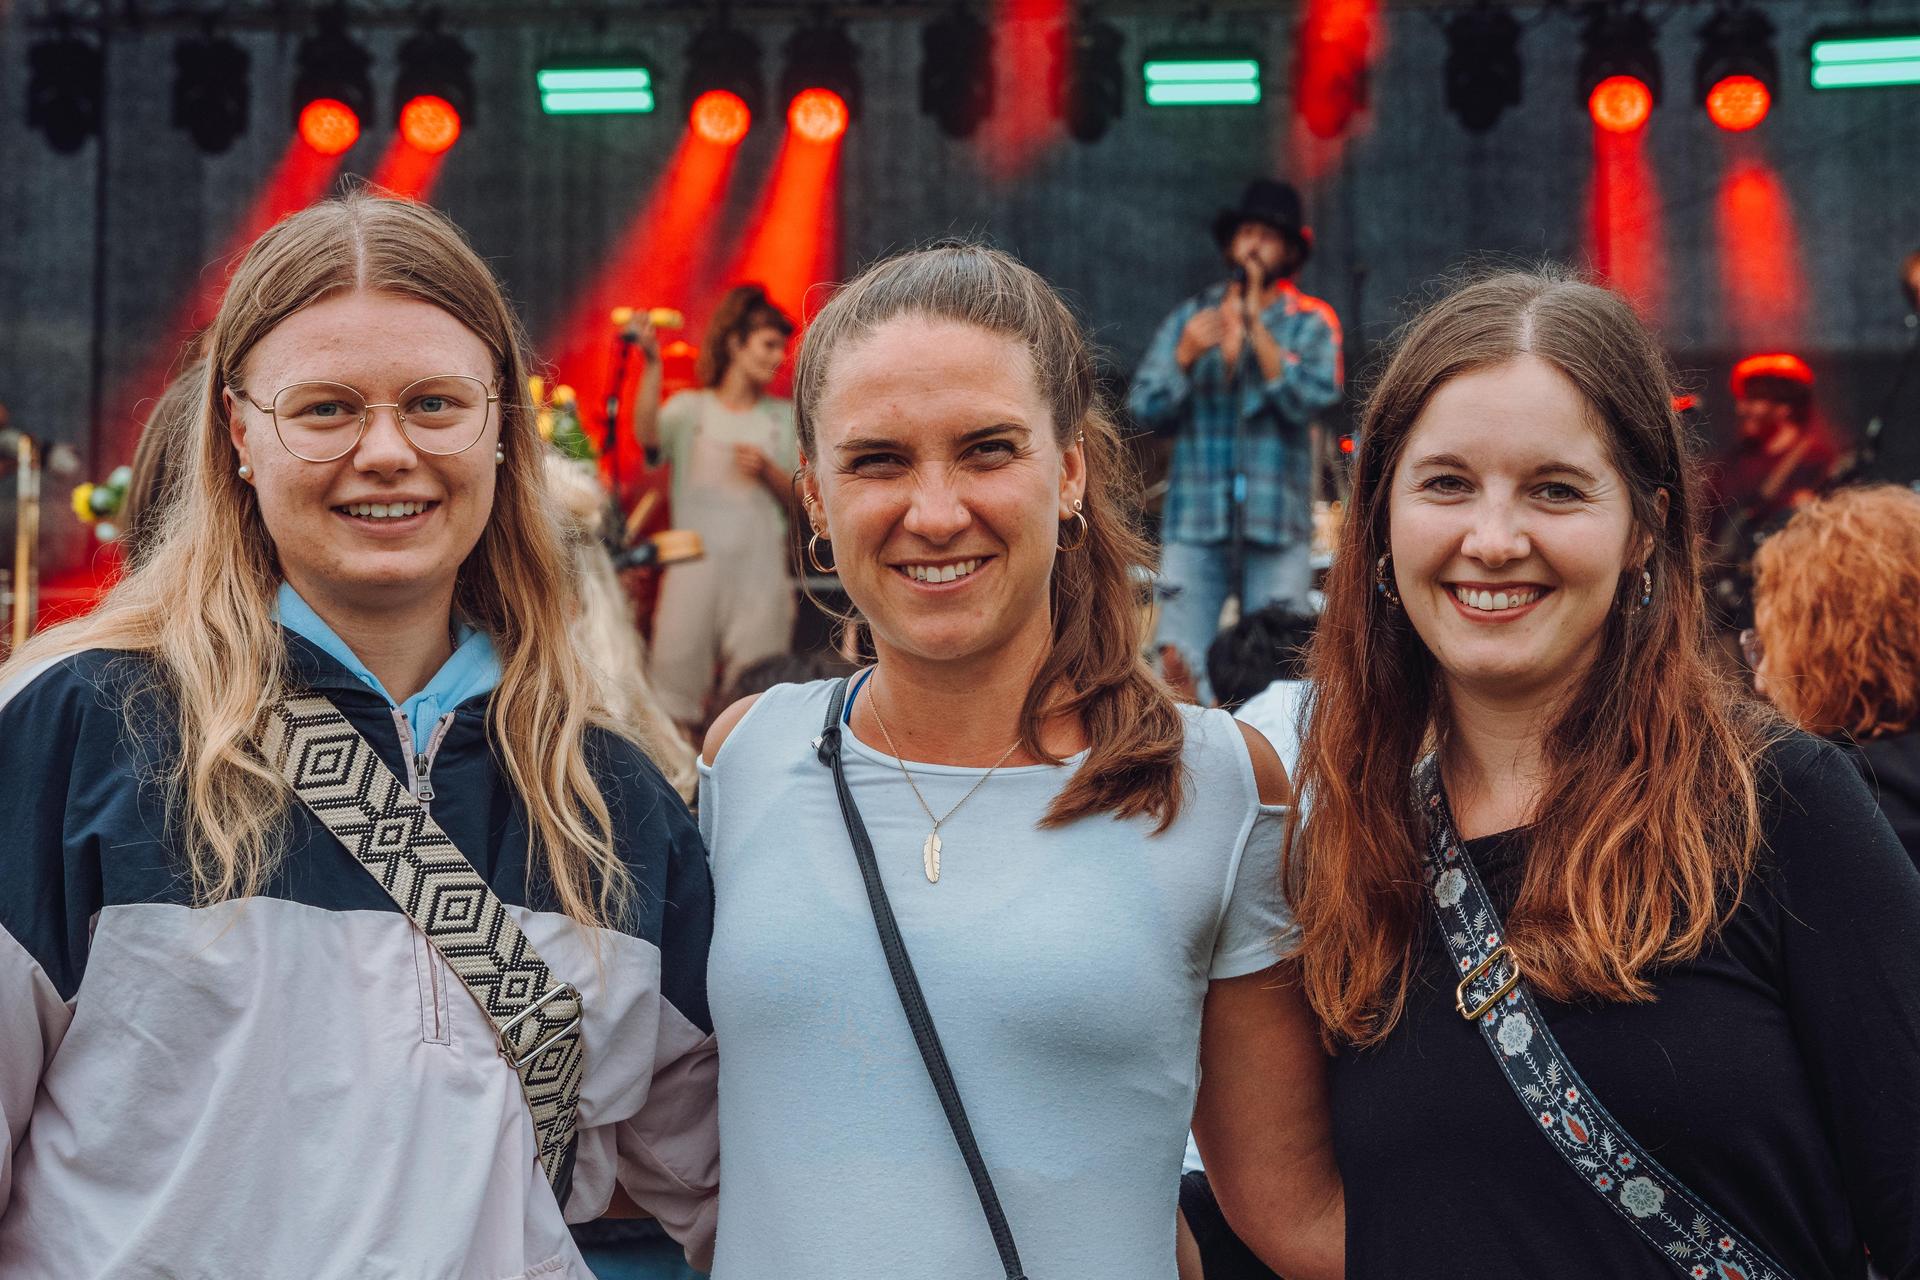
720, 117
1620, 104
818, 115
329, 126
430, 123
1737, 103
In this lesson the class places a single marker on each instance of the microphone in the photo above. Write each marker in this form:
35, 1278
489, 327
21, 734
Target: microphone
627, 318
1239, 274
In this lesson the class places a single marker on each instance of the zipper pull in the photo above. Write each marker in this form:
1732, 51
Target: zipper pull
422, 788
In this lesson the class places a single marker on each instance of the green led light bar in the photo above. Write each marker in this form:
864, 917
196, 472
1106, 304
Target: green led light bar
1865, 59
599, 89
1200, 78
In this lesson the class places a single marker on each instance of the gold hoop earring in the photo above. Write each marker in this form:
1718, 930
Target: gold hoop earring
1383, 579
1085, 531
813, 556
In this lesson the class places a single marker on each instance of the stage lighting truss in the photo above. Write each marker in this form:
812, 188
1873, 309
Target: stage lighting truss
956, 72
1864, 57
1619, 68
332, 91
822, 55
1737, 73
1088, 82
210, 91
1483, 73
1210, 75
433, 93
66, 80
724, 59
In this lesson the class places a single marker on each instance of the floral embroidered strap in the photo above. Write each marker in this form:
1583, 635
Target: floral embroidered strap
1698, 1241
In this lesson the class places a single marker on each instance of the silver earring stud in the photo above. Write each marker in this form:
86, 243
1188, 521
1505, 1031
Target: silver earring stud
499, 457
246, 472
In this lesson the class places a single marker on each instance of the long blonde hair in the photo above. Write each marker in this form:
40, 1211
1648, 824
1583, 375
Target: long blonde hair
200, 603
603, 630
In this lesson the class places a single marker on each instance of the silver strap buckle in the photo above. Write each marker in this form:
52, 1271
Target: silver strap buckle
506, 1032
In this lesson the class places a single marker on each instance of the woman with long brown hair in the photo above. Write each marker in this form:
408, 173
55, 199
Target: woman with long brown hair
346, 930
1549, 860
1835, 643
1084, 873
731, 446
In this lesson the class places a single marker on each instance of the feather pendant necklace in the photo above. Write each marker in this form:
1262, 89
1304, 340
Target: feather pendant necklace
930, 849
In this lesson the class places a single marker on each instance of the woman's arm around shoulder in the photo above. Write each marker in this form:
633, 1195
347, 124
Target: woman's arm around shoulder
1261, 1117
1262, 1124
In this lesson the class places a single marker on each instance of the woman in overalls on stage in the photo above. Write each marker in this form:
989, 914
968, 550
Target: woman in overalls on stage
731, 446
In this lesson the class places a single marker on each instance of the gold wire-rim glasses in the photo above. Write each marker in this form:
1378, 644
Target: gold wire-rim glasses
366, 414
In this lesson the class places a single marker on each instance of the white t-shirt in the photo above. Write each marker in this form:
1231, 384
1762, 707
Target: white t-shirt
1065, 970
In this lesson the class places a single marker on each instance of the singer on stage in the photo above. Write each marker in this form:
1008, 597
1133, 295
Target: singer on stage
1236, 376
733, 453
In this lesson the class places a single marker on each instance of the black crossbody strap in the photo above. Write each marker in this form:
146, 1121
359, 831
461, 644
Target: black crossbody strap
1697, 1240
911, 1000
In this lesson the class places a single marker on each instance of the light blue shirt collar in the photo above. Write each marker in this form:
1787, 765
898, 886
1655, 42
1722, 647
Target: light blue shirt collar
473, 669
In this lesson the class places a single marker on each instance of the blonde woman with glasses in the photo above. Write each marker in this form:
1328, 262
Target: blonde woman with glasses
344, 931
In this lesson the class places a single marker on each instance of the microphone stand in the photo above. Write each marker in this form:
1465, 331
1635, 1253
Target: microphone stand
1870, 443
623, 345
1237, 494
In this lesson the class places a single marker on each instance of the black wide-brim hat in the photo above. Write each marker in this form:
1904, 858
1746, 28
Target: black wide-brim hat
1270, 203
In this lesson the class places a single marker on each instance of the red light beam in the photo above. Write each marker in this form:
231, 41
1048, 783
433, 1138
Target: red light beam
793, 242
408, 171
302, 176
1625, 231
1763, 291
652, 264
1022, 124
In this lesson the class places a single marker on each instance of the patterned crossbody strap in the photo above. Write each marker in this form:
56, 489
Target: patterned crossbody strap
1698, 1241
343, 781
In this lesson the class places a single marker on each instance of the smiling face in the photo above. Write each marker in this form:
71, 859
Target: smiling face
324, 519
759, 355
942, 487
1510, 530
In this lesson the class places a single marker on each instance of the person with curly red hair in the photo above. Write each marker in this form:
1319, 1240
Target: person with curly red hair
1836, 638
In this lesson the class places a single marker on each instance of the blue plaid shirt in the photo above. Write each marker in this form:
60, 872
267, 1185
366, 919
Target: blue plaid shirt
1193, 406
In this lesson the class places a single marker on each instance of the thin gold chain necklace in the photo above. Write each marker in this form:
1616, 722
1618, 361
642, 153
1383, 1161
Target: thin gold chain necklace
930, 851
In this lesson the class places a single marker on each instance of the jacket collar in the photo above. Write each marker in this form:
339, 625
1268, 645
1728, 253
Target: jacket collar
321, 660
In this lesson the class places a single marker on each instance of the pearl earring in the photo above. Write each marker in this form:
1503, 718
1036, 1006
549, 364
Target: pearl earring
499, 457
246, 472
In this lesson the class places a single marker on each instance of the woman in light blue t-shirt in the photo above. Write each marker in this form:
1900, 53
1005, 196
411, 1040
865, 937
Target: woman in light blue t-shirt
1083, 871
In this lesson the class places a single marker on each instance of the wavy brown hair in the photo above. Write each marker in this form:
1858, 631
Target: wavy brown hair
1093, 669
1648, 822
1844, 659
200, 601
743, 311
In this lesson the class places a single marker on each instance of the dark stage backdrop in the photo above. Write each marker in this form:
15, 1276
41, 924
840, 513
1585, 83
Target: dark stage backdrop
1786, 238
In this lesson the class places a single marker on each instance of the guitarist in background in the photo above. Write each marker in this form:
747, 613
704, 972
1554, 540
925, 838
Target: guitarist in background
1779, 458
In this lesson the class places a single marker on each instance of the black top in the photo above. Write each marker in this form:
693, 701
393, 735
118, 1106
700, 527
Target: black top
1891, 766
1775, 1075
